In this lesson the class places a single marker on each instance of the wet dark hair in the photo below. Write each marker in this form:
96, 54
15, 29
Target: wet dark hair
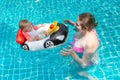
87, 21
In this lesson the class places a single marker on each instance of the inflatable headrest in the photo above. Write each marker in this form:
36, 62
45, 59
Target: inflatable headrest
20, 38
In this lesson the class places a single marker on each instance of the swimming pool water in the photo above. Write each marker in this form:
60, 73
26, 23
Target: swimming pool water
17, 64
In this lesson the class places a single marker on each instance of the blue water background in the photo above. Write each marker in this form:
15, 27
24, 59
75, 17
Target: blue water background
17, 64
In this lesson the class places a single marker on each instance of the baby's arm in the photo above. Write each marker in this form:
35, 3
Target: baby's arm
36, 27
70, 22
36, 38
46, 33
40, 25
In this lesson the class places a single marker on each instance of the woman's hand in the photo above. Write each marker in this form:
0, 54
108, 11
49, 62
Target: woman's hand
68, 52
71, 52
69, 22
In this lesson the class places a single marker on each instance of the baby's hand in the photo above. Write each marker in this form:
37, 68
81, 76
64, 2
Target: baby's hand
37, 38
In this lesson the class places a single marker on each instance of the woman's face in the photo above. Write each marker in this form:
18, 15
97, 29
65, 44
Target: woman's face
79, 27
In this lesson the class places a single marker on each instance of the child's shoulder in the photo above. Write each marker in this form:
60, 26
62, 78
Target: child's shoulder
35, 27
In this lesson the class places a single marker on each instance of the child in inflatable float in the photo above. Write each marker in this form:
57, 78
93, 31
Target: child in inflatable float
41, 36
30, 31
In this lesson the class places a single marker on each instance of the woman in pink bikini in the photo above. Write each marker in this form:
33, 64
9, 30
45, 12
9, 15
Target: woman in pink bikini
85, 42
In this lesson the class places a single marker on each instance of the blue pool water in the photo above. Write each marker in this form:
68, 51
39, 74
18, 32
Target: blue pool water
17, 64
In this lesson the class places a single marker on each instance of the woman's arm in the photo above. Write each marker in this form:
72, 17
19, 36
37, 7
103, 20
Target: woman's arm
82, 61
88, 51
70, 22
71, 52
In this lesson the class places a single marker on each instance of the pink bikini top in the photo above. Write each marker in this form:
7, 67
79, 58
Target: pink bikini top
79, 49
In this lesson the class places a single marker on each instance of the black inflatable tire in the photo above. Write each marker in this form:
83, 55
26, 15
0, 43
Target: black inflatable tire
25, 47
49, 44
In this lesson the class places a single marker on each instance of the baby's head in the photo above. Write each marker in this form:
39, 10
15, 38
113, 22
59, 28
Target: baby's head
86, 21
25, 25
